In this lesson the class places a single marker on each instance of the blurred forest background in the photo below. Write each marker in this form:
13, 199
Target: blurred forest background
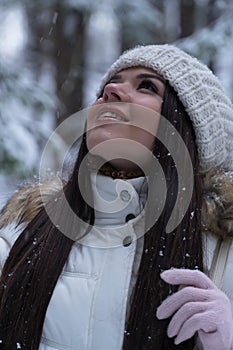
53, 53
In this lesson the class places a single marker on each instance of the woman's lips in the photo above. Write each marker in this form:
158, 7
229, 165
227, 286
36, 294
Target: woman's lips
113, 116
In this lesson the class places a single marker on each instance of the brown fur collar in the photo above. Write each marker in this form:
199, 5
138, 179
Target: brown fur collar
217, 205
27, 202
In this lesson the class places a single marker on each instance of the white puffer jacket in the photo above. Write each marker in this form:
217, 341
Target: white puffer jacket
88, 308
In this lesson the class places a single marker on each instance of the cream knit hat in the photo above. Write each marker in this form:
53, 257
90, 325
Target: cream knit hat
201, 93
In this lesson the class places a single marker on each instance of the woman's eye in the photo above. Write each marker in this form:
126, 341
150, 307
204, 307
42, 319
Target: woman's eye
148, 85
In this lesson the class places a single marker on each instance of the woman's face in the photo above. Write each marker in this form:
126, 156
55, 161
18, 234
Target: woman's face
122, 123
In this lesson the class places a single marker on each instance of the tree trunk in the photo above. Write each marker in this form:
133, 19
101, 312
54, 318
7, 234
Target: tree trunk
187, 17
57, 42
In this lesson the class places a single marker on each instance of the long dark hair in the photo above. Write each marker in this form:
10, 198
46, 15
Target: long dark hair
26, 285
34, 265
180, 248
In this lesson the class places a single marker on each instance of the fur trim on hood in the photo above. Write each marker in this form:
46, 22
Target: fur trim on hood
27, 202
217, 206
218, 203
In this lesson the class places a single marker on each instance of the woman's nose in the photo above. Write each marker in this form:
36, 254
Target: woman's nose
116, 92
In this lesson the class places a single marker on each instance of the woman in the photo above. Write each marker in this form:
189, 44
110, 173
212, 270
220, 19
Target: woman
124, 280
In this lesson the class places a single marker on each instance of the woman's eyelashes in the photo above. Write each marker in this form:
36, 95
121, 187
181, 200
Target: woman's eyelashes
148, 85
145, 84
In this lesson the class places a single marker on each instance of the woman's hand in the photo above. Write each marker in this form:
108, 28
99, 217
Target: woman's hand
198, 306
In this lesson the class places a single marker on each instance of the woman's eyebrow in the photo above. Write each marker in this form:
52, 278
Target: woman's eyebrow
151, 76
118, 77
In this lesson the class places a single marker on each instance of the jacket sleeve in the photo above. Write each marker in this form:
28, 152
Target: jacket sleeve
8, 236
4, 251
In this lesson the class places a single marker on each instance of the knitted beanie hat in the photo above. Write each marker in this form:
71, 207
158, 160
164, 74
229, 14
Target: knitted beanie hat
199, 90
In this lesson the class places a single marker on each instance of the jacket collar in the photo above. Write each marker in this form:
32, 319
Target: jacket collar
119, 211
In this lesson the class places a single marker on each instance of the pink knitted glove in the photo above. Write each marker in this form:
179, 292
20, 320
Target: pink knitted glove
198, 306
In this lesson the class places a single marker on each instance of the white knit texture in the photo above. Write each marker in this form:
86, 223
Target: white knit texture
201, 93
